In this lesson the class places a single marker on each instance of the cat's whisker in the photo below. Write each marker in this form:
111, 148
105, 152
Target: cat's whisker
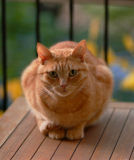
49, 92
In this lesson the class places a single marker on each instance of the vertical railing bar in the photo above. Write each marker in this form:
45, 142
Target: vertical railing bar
37, 21
4, 57
71, 9
106, 31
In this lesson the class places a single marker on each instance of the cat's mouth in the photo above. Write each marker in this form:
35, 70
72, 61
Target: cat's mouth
62, 92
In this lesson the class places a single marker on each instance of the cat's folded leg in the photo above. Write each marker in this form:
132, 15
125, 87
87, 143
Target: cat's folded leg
50, 129
76, 132
58, 133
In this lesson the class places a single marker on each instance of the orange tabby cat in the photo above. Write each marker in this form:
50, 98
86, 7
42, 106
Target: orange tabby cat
67, 89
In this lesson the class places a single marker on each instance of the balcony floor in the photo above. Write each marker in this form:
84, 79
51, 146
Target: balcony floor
111, 138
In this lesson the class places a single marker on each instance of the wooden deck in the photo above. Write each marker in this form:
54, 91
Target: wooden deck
111, 138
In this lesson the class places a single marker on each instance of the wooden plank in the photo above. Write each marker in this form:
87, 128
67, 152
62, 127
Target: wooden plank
126, 141
20, 134
29, 147
123, 105
92, 136
111, 135
17, 136
65, 150
12, 118
46, 150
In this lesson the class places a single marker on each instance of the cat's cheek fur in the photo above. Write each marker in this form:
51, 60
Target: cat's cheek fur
49, 81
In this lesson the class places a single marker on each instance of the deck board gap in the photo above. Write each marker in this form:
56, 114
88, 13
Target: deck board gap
23, 141
131, 153
75, 149
120, 134
102, 133
15, 128
55, 150
38, 148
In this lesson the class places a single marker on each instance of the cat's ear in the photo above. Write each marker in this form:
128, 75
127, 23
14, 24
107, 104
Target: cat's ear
80, 50
43, 53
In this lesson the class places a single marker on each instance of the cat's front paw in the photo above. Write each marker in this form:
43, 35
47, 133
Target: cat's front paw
45, 126
57, 133
74, 134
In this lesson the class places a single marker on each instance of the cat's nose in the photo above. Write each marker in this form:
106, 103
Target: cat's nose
63, 85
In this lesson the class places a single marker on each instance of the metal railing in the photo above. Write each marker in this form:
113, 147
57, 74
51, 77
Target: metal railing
4, 53
37, 37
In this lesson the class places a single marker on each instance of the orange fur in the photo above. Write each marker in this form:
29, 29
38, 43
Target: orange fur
65, 105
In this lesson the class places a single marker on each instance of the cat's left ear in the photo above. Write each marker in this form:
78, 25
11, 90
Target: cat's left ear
80, 50
43, 53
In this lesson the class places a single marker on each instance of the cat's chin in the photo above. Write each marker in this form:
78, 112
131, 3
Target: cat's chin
63, 94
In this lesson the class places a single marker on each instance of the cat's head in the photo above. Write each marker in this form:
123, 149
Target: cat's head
62, 71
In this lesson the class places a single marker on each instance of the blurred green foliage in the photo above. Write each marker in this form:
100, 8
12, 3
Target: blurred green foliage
21, 45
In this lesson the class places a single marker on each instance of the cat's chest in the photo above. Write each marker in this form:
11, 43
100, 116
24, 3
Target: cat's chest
65, 105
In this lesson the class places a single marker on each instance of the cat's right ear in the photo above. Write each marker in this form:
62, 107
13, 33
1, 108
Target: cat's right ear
43, 53
80, 50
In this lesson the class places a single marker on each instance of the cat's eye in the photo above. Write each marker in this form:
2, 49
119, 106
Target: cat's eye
73, 72
53, 74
